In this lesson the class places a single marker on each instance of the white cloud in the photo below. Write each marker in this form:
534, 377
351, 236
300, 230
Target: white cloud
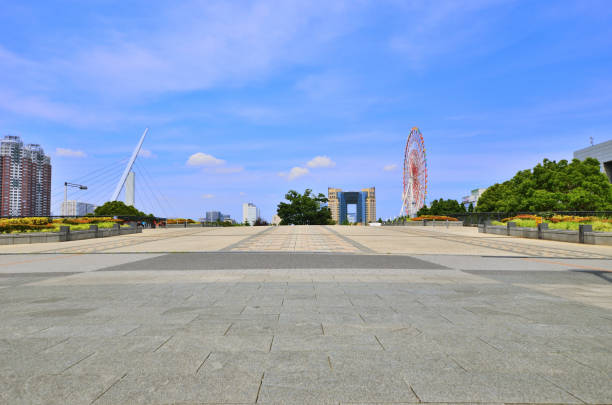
208, 196
294, 173
203, 159
321, 161
146, 153
390, 168
70, 153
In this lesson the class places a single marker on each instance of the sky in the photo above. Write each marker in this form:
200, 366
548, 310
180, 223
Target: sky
245, 100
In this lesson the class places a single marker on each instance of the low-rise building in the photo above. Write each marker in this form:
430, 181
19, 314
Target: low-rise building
602, 152
473, 197
73, 208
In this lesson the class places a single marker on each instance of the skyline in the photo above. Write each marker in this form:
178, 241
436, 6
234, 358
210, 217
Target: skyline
325, 96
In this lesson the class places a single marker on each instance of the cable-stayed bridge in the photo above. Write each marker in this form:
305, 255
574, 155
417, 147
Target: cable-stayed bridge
127, 179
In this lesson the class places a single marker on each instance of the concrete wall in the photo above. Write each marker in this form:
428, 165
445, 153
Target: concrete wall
598, 238
426, 223
593, 238
63, 236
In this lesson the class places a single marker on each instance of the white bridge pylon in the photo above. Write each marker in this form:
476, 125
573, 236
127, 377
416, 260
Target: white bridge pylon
127, 171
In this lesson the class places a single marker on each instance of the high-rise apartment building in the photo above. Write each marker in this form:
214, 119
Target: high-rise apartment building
364, 200
25, 179
250, 213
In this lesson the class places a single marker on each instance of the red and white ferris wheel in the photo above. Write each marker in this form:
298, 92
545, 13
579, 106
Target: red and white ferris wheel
415, 174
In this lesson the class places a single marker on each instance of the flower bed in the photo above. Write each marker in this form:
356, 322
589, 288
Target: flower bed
434, 218
563, 222
44, 224
180, 221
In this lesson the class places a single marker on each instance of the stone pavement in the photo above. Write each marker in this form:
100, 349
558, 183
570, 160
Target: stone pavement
317, 315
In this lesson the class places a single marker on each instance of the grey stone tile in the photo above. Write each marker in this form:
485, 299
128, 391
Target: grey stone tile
119, 363
460, 386
140, 344
100, 330
162, 389
324, 343
54, 389
28, 345
180, 343
27, 364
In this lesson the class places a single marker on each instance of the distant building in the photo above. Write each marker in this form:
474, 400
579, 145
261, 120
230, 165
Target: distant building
25, 179
602, 152
250, 213
214, 216
473, 197
72, 208
351, 217
365, 201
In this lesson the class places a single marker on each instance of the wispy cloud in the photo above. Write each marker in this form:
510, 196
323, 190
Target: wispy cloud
204, 159
321, 161
208, 196
294, 173
390, 168
70, 153
146, 153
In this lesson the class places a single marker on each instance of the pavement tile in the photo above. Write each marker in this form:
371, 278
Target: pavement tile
54, 389
229, 343
324, 343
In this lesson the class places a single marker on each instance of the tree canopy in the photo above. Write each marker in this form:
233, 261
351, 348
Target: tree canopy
114, 208
551, 186
442, 207
304, 209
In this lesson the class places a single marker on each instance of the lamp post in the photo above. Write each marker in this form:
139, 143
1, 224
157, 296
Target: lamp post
67, 184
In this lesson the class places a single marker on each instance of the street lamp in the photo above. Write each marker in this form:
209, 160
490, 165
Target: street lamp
66, 185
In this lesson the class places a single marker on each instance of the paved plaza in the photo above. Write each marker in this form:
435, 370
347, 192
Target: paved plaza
306, 314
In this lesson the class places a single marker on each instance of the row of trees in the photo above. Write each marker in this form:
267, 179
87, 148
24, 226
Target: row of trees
551, 186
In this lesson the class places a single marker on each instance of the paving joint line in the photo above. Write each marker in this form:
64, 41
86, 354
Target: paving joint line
106, 390
356, 244
165, 341
203, 361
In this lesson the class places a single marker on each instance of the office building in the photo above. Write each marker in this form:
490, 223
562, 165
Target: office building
472, 198
25, 179
250, 213
72, 208
215, 216
602, 152
364, 201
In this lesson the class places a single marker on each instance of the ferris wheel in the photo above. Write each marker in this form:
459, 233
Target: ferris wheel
415, 174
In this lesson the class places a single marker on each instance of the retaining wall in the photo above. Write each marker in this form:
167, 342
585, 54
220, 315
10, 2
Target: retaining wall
65, 235
585, 235
426, 223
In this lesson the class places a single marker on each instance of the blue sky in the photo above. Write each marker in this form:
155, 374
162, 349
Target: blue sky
240, 96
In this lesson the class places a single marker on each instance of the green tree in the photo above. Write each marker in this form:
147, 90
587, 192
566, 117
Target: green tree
442, 207
304, 209
115, 208
551, 186
471, 207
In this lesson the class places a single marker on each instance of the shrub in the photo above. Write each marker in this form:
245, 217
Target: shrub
24, 224
434, 218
